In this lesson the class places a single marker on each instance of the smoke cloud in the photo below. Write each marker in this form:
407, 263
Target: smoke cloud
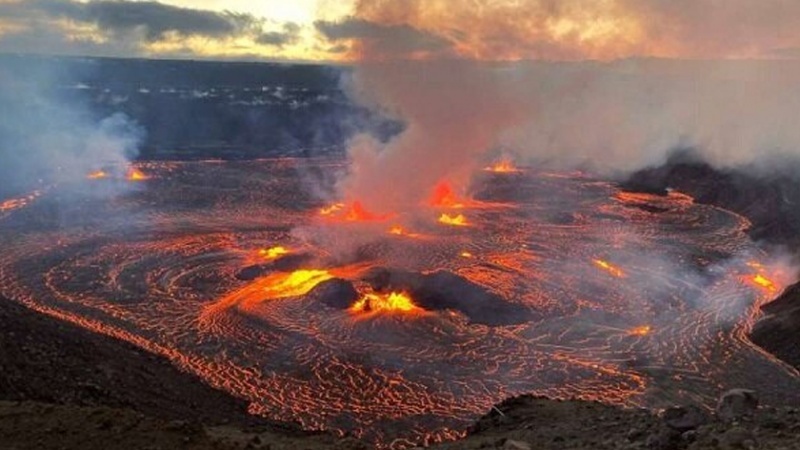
493, 82
49, 136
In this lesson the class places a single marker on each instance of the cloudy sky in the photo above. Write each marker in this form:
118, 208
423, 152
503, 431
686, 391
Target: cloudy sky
348, 30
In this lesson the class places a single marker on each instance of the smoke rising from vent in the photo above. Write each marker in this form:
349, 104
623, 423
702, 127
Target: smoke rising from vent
608, 117
48, 135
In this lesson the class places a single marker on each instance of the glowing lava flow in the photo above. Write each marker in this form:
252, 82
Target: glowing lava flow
503, 166
274, 252
458, 221
608, 267
356, 212
292, 284
443, 196
764, 282
395, 302
643, 330
331, 210
135, 174
97, 175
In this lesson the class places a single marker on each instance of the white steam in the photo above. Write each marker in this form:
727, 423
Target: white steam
609, 117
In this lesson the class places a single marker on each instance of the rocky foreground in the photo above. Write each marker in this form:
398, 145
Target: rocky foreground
63, 387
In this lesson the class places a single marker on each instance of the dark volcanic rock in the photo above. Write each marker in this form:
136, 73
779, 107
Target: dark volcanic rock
769, 201
444, 290
685, 418
736, 404
336, 293
45, 359
287, 263
779, 329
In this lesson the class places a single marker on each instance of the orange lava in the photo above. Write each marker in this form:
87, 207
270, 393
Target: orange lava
458, 221
135, 174
503, 166
643, 330
299, 282
765, 283
331, 210
97, 175
272, 253
355, 212
395, 302
608, 267
18, 203
443, 196
466, 255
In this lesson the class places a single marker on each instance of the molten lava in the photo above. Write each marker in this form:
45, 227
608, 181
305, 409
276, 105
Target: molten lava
466, 255
135, 174
395, 302
273, 253
458, 221
331, 210
503, 166
356, 212
765, 283
444, 197
608, 267
299, 282
643, 330
97, 175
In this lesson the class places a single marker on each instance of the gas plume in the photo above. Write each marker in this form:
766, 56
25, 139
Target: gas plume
544, 80
49, 136
611, 118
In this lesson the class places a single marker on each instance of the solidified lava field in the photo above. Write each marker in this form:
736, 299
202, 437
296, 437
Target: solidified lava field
404, 329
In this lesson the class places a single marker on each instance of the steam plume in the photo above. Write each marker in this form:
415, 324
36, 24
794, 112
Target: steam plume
48, 137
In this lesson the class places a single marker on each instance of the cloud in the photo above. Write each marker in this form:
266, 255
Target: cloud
388, 40
289, 35
132, 29
155, 19
594, 29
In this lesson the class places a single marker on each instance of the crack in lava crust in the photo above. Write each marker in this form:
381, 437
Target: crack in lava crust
159, 267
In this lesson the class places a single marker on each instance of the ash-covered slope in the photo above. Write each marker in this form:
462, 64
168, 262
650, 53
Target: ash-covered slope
771, 201
62, 386
47, 360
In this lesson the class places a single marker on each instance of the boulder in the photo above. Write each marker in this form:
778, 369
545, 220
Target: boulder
737, 404
685, 418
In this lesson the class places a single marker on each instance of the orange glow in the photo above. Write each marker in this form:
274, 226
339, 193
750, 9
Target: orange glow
97, 175
643, 330
503, 166
443, 196
613, 270
356, 212
466, 255
299, 282
395, 302
272, 253
764, 282
331, 210
458, 221
135, 174
397, 230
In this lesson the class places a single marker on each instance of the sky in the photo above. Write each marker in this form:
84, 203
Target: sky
355, 30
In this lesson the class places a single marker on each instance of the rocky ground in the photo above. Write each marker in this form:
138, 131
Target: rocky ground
527, 423
64, 387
